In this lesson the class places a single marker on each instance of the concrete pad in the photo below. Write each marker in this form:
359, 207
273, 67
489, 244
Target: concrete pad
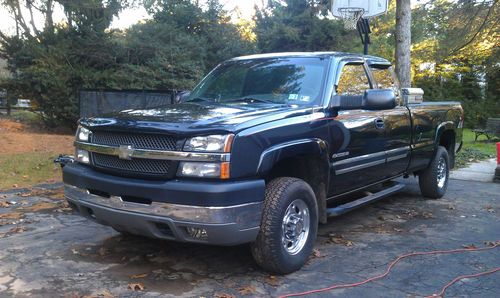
55, 253
483, 171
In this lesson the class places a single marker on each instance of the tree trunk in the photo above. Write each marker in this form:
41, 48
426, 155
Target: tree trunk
403, 42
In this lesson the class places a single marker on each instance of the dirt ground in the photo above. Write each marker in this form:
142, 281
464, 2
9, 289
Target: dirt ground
48, 251
19, 138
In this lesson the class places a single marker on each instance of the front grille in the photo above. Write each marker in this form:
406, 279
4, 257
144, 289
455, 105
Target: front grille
147, 167
138, 141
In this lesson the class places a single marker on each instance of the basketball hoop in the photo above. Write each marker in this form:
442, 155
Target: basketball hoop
351, 16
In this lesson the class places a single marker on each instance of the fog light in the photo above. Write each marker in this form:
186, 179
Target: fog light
197, 233
82, 156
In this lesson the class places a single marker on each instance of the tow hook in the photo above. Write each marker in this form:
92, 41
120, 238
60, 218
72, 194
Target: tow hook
63, 160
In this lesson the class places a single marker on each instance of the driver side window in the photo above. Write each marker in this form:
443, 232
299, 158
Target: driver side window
353, 80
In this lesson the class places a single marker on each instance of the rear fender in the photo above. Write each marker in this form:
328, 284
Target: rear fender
441, 128
448, 125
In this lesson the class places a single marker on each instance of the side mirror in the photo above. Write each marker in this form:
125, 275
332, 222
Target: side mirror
373, 99
181, 96
379, 99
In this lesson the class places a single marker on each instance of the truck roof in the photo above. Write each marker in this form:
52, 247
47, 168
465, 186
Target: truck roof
369, 59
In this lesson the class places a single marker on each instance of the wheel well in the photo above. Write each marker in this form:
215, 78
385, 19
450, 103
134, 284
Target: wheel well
447, 140
312, 169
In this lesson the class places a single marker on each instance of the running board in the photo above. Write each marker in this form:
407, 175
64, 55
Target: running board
341, 209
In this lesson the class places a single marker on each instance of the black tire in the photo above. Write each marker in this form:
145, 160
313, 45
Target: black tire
429, 179
269, 249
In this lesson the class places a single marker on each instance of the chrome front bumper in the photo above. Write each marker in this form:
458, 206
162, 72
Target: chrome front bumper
228, 225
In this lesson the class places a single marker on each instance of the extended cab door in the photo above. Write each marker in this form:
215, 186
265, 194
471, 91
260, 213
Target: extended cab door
397, 123
358, 136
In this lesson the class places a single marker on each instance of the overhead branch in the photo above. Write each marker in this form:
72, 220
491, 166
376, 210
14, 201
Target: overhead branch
49, 22
478, 31
32, 19
20, 19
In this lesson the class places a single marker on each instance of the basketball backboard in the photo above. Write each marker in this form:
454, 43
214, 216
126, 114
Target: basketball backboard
372, 8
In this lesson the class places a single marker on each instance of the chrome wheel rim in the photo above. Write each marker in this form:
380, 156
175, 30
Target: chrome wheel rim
441, 172
295, 227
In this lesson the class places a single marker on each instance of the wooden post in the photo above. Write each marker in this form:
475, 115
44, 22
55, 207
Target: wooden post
403, 42
8, 105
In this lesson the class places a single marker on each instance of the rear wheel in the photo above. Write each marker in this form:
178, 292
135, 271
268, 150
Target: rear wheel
433, 181
288, 227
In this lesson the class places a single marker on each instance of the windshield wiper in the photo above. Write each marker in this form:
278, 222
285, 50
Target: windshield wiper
205, 99
251, 100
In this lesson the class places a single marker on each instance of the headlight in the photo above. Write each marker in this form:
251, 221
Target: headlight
213, 143
206, 170
82, 134
82, 156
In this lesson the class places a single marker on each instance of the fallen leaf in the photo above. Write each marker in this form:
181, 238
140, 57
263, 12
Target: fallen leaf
72, 295
469, 246
428, 215
490, 209
398, 230
492, 243
18, 229
4, 205
26, 194
136, 276
247, 290
316, 253
223, 295
339, 239
103, 251
39, 206
15, 186
101, 294
12, 215
272, 280
136, 287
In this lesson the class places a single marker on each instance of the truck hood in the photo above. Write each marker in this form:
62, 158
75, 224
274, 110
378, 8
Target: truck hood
195, 118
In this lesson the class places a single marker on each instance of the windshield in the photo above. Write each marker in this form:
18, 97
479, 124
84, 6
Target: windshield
271, 80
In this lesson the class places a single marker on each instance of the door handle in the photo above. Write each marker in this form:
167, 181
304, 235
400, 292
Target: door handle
379, 123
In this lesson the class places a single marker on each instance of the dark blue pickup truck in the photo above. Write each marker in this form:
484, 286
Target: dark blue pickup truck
261, 151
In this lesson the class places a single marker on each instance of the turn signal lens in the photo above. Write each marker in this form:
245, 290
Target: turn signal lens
204, 170
224, 170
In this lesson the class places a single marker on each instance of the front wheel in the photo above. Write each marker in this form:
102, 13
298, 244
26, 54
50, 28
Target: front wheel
288, 227
433, 181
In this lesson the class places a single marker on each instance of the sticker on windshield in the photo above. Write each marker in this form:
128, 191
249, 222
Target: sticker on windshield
305, 98
293, 97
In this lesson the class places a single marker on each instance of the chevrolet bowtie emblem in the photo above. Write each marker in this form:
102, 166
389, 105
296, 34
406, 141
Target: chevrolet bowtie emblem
125, 152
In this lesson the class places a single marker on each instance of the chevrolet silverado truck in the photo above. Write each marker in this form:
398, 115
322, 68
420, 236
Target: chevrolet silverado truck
261, 151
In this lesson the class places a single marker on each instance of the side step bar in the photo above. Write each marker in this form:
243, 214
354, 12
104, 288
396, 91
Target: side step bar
372, 197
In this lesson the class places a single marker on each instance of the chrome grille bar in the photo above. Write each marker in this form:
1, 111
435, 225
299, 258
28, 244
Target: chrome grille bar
155, 154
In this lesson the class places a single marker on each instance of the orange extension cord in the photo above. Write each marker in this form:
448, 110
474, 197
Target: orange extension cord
393, 263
